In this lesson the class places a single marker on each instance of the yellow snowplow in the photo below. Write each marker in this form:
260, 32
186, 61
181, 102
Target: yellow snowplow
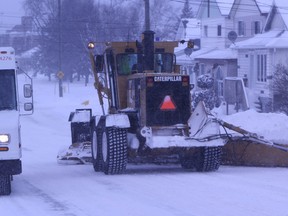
149, 119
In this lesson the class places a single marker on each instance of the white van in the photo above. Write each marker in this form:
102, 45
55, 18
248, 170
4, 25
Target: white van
10, 138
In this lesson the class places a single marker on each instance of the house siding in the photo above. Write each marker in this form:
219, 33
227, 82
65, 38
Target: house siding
249, 26
229, 26
211, 12
243, 69
245, 8
247, 69
211, 18
248, 12
212, 39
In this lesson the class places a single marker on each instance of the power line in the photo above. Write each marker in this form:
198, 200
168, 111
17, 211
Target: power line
89, 21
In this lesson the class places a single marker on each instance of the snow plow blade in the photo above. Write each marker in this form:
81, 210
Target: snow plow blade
249, 153
252, 150
80, 150
77, 153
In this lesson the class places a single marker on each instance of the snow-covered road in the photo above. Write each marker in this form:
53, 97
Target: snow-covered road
147, 190
48, 189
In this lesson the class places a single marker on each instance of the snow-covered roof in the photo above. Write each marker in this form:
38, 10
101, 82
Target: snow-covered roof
225, 6
219, 54
279, 42
185, 59
271, 39
29, 53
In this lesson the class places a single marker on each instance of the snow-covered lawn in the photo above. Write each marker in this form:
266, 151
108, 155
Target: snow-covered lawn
48, 189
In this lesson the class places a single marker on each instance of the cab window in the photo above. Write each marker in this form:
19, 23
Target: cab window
163, 62
126, 63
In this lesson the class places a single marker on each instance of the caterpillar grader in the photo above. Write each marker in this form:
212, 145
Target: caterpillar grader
149, 112
148, 116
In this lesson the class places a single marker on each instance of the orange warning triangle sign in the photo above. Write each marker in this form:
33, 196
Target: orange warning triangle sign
167, 103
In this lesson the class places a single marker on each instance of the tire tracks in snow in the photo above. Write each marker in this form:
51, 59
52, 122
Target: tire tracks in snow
55, 207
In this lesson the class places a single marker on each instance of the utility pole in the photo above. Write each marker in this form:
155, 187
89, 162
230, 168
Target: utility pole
60, 74
208, 8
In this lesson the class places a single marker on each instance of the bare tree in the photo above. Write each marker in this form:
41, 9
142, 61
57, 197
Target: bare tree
65, 29
164, 20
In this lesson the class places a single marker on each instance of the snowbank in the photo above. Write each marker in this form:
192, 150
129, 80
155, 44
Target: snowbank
272, 126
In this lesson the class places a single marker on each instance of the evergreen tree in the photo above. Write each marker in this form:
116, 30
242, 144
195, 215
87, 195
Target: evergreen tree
187, 11
279, 86
205, 93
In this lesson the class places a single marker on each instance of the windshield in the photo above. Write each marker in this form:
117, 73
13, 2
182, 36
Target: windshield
127, 63
7, 90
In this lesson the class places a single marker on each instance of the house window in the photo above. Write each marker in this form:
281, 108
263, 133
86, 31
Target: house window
256, 27
219, 30
261, 68
205, 31
241, 28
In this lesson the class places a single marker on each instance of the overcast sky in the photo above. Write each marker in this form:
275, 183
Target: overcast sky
10, 14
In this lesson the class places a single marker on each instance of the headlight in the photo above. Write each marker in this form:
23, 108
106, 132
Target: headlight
4, 138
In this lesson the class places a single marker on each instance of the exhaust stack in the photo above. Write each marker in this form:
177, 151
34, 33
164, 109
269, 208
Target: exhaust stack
148, 41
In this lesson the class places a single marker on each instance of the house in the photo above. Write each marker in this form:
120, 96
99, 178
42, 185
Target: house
258, 56
215, 23
24, 40
218, 18
21, 37
223, 24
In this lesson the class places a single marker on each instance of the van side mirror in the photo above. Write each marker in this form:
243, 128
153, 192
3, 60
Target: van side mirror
27, 88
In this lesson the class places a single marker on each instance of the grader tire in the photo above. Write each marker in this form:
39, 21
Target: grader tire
187, 161
114, 150
209, 159
97, 159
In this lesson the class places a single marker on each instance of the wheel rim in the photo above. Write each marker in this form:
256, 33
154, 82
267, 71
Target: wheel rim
94, 145
104, 147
